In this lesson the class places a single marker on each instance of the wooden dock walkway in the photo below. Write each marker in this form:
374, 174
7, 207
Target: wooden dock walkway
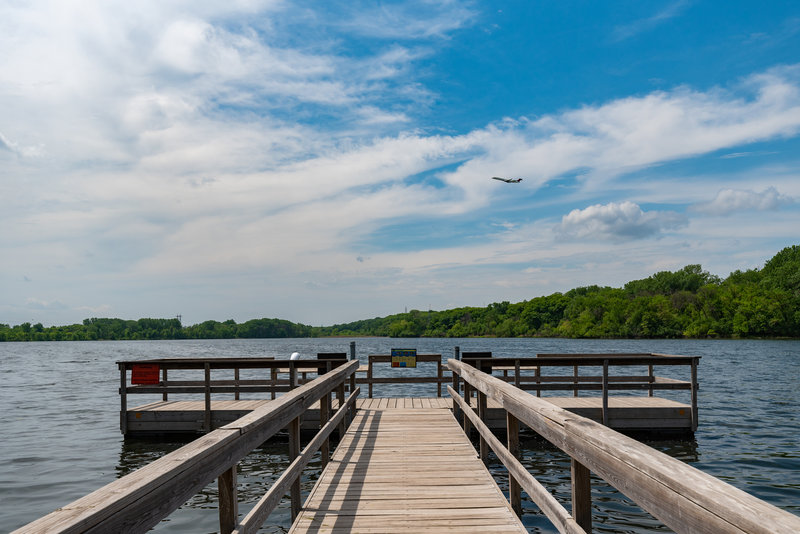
405, 469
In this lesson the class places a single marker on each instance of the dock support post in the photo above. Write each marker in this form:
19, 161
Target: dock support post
352, 350
164, 396
228, 501
484, 447
457, 353
581, 495
514, 489
207, 418
123, 399
605, 392
294, 452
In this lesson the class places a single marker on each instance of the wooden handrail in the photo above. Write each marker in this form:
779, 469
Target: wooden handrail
543, 499
138, 501
684, 498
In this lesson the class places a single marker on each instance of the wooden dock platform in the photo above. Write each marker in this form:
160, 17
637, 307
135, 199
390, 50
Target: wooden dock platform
626, 413
406, 465
405, 469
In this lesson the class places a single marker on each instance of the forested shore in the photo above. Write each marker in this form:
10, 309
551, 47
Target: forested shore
688, 303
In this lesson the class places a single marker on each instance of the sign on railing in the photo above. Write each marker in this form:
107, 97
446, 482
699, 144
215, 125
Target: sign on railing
144, 374
404, 357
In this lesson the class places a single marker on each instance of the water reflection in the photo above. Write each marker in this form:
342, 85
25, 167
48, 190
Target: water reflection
256, 473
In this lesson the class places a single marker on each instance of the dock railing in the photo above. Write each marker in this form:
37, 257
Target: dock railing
682, 497
604, 382
140, 500
283, 376
371, 379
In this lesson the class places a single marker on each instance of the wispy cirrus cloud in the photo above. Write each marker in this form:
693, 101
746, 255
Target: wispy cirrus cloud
632, 29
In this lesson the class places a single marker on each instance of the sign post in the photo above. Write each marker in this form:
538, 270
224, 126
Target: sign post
144, 373
404, 357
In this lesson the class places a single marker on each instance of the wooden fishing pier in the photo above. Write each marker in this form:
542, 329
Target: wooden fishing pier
592, 384
408, 465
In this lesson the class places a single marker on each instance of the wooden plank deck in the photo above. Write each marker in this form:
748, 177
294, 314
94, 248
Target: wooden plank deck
625, 412
401, 469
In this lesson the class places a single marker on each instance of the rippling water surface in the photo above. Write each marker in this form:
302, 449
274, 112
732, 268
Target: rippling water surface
59, 415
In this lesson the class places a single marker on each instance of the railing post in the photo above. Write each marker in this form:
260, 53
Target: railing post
581, 495
123, 399
457, 389
369, 378
352, 350
228, 501
484, 447
340, 406
273, 376
439, 375
605, 392
575, 380
468, 399
514, 489
207, 418
236, 379
457, 353
651, 379
164, 396
695, 387
352, 389
294, 452
517, 372
538, 374
324, 415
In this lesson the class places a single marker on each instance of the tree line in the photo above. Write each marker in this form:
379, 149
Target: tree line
688, 303
113, 329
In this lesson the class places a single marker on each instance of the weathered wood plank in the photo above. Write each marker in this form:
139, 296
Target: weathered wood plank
405, 470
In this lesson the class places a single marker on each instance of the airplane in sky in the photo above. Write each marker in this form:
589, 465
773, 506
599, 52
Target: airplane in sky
507, 180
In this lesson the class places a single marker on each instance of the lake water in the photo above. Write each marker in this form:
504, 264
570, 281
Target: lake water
59, 415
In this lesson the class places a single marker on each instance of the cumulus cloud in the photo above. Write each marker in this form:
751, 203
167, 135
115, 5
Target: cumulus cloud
618, 222
730, 201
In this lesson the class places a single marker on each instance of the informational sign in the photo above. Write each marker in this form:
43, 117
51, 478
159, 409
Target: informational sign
404, 357
144, 373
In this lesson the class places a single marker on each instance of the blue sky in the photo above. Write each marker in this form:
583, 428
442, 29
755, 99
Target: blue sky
327, 162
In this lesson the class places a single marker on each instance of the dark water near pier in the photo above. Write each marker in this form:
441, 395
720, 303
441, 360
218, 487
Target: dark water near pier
59, 424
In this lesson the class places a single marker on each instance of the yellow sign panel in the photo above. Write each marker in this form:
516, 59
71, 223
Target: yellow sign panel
404, 357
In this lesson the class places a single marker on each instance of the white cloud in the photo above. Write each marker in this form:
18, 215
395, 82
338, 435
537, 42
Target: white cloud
618, 222
182, 139
730, 201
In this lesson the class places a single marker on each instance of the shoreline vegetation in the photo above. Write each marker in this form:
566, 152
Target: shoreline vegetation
688, 303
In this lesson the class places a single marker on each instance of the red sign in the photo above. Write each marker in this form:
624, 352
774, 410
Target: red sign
144, 373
